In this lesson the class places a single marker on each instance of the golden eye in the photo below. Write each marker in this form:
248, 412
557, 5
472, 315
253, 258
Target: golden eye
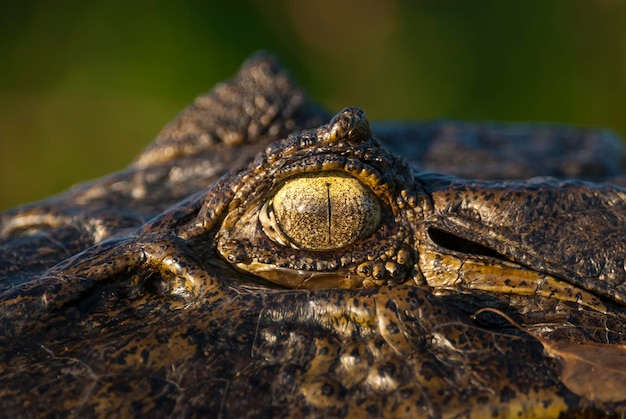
321, 211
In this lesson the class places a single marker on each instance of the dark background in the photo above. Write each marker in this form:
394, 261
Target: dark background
85, 85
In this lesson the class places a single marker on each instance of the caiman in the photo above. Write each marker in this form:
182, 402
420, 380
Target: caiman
263, 258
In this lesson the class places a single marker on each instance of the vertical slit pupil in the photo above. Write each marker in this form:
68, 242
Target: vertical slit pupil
329, 211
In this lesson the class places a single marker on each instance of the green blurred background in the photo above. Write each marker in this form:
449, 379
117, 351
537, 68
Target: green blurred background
84, 86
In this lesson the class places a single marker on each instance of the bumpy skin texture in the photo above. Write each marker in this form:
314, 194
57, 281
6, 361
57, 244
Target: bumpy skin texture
156, 292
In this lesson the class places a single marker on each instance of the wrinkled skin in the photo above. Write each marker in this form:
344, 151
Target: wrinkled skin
159, 291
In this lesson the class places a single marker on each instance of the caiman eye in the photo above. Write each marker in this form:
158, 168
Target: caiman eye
323, 208
320, 212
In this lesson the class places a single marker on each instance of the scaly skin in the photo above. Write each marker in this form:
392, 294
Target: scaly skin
174, 288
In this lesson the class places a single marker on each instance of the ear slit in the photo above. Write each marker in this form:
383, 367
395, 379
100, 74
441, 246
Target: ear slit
458, 244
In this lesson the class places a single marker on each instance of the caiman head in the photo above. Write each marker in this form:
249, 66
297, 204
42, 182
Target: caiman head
330, 277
